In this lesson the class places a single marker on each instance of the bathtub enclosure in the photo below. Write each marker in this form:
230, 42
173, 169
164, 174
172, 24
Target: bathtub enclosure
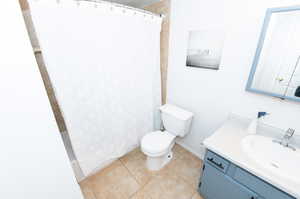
103, 63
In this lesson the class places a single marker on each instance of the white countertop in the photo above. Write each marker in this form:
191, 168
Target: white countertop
226, 142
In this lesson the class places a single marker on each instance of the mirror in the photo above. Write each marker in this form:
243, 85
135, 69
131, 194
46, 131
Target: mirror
276, 66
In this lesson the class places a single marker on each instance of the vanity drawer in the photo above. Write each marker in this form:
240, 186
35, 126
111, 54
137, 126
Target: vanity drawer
217, 161
261, 187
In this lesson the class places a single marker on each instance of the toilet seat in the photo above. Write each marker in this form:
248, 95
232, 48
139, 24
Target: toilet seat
157, 143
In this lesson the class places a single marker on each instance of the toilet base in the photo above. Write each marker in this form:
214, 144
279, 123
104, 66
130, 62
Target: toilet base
156, 163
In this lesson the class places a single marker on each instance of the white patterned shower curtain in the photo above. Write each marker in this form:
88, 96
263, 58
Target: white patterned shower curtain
103, 62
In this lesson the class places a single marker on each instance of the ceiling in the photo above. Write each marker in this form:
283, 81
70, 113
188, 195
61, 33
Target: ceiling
136, 3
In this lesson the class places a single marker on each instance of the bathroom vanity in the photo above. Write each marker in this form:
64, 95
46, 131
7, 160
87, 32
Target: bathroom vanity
223, 179
229, 172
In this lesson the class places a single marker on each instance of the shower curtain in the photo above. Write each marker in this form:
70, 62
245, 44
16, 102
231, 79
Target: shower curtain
103, 62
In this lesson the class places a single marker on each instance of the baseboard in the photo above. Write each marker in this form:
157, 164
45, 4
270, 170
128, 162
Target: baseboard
199, 155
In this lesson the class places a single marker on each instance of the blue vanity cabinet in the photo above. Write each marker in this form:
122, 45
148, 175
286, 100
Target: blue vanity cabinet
216, 185
222, 179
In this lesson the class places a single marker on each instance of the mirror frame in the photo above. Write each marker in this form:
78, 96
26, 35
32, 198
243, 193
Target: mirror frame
259, 48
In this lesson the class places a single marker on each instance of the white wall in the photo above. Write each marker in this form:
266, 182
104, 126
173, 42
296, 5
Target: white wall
34, 163
212, 95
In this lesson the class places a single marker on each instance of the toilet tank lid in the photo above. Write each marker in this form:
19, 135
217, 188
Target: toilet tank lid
176, 112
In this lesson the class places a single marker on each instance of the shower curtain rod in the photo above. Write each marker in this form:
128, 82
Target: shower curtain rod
124, 6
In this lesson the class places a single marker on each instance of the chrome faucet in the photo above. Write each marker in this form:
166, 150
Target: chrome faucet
287, 136
286, 139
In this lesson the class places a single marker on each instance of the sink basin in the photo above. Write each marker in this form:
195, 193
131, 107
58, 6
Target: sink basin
272, 156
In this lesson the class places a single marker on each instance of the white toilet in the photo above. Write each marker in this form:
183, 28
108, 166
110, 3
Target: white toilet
158, 145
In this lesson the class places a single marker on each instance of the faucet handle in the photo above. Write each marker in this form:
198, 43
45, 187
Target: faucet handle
289, 133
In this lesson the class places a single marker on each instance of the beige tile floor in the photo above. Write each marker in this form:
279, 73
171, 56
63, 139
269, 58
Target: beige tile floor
128, 178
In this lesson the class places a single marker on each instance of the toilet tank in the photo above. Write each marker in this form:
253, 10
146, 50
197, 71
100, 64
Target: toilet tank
176, 120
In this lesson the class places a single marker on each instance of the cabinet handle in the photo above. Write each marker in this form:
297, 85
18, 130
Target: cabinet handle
220, 165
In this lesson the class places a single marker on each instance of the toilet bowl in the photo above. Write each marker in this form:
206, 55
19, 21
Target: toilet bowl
157, 145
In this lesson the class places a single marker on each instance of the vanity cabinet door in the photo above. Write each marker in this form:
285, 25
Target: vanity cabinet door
216, 185
261, 187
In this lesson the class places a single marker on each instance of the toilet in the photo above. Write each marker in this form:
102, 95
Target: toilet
157, 145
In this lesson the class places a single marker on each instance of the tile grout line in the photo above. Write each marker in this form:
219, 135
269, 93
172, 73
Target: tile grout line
152, 176
188, 183
141, 186
131, 174
194, 191
93, 193
90, 189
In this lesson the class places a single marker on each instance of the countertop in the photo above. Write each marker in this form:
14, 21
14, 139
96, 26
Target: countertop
226, 142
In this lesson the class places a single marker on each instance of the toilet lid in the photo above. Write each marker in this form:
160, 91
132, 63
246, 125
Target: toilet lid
157, 142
